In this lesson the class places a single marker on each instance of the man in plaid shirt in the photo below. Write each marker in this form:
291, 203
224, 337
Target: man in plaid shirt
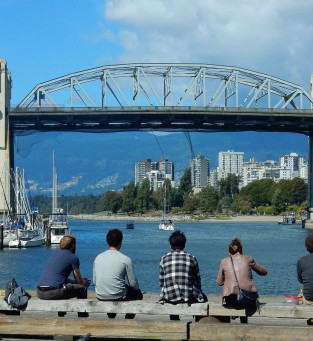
179, 275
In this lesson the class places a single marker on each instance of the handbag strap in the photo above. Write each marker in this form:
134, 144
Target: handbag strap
232, 263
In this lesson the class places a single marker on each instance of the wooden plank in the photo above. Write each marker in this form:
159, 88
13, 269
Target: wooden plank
217, 309
95, 306
276, 310
220, 332
285, 311
98, 328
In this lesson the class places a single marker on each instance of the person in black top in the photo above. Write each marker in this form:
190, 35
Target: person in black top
305, 275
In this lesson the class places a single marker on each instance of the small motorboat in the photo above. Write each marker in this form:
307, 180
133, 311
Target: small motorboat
130, 225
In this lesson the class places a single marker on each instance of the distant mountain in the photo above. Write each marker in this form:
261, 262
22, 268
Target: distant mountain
96, 162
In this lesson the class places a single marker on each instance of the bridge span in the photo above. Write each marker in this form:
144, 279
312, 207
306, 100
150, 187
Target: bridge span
165, 97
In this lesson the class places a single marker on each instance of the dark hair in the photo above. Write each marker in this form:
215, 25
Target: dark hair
177, 240
114, 237
67, 242
309, 243
235, 246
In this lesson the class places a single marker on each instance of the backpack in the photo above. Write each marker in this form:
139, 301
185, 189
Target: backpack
15, 295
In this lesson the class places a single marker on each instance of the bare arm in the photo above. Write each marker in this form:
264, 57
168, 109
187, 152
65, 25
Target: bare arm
78, 278
220, 275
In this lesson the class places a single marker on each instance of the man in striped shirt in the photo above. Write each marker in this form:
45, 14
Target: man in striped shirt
179, 275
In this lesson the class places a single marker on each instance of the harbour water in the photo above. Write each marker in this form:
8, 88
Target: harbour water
277, 247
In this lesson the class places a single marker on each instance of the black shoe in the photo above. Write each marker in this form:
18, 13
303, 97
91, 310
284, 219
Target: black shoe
174, 318
243, 319
130, 316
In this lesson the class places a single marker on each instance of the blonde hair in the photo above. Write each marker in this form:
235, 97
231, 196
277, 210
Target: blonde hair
67, 242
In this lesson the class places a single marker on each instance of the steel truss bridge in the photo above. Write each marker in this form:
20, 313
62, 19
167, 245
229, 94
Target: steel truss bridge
168, 97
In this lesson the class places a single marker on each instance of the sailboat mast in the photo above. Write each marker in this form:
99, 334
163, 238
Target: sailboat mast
164, 200
54, 187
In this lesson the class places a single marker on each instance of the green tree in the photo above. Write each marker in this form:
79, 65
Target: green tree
240, 205
184, 188
111, 201
229, 186
208, 199
278, 202
259, 192
191, 204
128, 197
143, 198
224, 203
299, 191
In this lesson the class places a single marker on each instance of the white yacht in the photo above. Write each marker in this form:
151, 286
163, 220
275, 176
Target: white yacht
27, 238
58, 221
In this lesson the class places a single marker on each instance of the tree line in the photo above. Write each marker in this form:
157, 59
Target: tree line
261, 196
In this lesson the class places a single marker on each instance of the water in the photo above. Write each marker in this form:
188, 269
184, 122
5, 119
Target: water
277, 247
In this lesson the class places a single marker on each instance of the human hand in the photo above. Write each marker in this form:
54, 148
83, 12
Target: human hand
87, 282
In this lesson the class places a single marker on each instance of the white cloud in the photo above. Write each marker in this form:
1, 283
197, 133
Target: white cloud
273, 36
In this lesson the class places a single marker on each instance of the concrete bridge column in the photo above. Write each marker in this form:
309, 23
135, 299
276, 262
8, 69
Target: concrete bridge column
6, 158
309, 221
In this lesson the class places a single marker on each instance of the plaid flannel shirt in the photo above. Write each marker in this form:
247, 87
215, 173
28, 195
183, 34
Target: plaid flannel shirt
179, 278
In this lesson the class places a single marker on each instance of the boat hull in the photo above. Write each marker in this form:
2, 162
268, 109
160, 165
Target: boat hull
18, 243
166, 227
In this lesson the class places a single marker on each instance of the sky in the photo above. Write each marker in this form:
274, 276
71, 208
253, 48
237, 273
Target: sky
46, 39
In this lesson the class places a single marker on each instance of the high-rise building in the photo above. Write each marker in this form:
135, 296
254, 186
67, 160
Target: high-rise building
156, 172
141, 170
294, 162
200, 170
229, 162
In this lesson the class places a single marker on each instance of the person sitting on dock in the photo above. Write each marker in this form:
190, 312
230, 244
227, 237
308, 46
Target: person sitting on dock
235, 271
179, 275
54, 283
111, 268
305, 275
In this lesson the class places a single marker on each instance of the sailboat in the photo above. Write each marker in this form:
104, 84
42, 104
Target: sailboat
28, 232
58, 221
165, 224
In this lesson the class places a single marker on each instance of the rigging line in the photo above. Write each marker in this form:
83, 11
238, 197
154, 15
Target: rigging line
158, 144
6, 201
190, 144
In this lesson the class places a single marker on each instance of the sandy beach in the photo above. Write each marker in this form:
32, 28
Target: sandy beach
178, 218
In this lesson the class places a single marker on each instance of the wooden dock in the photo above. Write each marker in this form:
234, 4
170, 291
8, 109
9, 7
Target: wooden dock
148, 320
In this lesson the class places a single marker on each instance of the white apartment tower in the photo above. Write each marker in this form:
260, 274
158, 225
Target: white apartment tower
229, 162
200, 171
294, 162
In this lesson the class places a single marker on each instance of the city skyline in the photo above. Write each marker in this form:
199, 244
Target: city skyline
287, 167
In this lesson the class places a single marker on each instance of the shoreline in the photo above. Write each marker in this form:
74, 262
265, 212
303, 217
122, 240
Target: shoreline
176, 218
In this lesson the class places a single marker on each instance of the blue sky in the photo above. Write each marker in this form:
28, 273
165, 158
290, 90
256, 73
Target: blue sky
42, 40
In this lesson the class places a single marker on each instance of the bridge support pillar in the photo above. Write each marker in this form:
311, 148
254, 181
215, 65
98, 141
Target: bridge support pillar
309, 222
6, 156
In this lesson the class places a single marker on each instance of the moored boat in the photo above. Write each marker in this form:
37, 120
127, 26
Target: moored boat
58, 220
27, 238
165, 224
